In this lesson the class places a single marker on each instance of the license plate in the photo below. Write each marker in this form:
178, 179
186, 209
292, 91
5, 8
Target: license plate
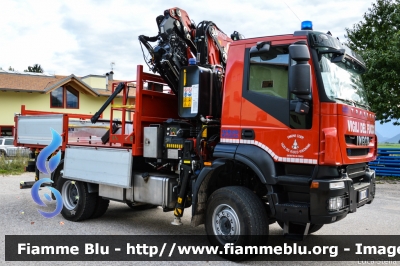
362, 194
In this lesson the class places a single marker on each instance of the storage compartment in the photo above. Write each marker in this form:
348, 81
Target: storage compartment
155, 189
153, 137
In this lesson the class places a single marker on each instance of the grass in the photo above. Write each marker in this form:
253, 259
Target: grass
388, 145
13, 165
387, 179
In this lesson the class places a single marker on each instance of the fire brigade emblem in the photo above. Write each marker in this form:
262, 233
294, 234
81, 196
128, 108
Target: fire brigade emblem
298, 146
295, 146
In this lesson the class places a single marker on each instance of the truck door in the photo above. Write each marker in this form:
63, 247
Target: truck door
268, 116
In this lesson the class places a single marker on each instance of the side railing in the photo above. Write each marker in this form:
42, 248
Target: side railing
387, 162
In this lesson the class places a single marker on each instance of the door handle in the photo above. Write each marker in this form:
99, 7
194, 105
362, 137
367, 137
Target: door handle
248, 134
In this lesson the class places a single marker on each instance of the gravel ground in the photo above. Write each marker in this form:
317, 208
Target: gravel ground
19, 216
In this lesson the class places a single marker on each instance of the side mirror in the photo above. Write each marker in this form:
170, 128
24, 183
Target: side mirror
299, 51
300, 73
260, 48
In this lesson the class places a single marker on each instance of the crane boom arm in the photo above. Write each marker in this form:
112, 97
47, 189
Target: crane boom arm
178, 40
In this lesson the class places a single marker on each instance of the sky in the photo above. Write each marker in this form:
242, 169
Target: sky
84, 37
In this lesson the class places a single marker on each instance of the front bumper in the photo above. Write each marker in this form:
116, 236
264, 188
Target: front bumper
353, 194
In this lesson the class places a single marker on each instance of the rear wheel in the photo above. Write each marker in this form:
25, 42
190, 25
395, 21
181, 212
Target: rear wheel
299, 228
100, 208
236, 215
79, 204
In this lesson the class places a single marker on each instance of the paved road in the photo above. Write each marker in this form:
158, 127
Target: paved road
19, 216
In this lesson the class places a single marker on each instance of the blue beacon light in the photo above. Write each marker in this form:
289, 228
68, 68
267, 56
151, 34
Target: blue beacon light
306, 25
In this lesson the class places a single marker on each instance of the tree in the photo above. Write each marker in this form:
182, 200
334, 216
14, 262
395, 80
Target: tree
377, 39
11, 69
36, 68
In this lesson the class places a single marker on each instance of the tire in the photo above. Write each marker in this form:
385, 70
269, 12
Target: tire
236, 215
79, 204
298, 229
2, 154
100, 208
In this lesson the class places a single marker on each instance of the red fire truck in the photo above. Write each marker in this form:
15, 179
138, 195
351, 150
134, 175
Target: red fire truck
252, 132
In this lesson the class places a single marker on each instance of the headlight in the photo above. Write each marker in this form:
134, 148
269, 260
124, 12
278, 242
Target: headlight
336, 185
335, 204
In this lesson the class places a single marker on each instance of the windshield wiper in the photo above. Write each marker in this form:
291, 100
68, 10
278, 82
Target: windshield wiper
366, 106
346, 101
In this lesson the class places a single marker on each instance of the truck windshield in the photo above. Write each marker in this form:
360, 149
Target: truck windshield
342, 81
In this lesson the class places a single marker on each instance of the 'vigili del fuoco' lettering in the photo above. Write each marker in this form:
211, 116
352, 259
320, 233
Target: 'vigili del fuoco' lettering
360, 127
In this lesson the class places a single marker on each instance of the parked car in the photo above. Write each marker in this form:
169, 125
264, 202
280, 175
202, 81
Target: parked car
7, 148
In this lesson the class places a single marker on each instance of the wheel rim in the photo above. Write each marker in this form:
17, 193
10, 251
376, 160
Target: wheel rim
226, 223
70, 194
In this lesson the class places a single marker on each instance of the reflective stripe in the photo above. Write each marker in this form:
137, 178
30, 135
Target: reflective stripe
270, 152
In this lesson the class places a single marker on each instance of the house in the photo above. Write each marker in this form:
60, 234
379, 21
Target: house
54, 93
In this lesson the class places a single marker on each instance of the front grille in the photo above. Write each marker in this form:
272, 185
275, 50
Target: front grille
357, 152
352, 139
346, 200
355, 170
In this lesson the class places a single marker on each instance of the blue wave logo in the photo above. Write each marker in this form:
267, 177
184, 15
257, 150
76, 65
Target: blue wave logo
47, 151
48, 169
36, 198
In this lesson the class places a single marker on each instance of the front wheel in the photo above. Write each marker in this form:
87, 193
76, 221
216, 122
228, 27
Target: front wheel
79, 204
236, 215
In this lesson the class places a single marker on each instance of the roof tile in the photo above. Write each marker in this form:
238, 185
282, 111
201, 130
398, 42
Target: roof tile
21, 82
26, 82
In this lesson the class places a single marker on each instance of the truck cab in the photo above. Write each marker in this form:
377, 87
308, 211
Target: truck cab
295, 112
